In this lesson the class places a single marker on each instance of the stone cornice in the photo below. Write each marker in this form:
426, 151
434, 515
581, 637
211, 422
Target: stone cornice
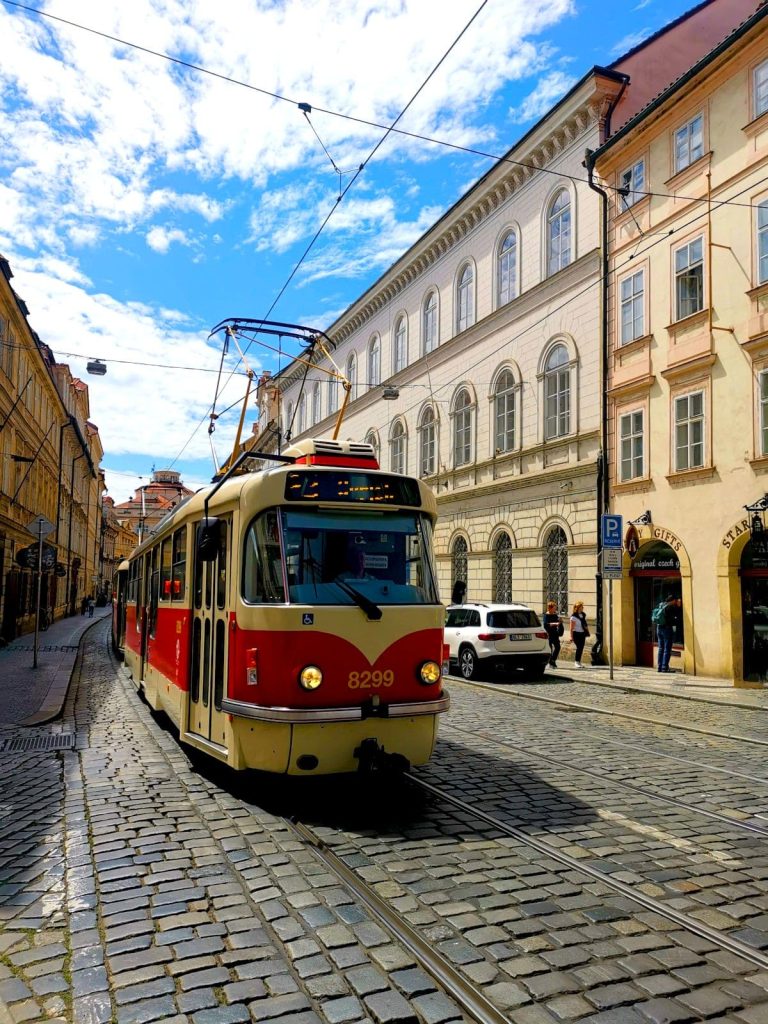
445, 235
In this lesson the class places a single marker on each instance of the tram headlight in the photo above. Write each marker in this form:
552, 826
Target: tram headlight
430, 673
310, 677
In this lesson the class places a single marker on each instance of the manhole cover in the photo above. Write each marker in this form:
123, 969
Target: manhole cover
19, 744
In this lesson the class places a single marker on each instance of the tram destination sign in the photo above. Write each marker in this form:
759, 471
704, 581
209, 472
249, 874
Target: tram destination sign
351, 487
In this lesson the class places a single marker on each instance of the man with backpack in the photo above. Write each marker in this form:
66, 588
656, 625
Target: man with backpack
663, 617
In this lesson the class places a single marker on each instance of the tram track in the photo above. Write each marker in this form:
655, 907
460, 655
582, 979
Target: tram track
649, 794
567, 705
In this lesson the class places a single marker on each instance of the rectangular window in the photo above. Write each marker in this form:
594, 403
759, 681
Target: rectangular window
764, 412
689, 143
689, 279
179, 564
631, 437
761, 89
633, 307
632, 184
165, 570
689, 431
762, 242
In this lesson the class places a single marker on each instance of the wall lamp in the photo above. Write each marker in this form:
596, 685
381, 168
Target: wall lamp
756, 524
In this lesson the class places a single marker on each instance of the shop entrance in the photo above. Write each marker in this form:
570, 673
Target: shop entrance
656, 572
754, 609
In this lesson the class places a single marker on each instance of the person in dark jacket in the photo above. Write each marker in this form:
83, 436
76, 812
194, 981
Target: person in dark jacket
665, 632
555, 629
579, 631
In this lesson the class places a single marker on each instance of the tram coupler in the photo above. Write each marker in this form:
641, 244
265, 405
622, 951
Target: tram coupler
374, 760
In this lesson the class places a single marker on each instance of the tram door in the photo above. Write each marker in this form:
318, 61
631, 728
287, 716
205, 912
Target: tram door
210, 630
143, 606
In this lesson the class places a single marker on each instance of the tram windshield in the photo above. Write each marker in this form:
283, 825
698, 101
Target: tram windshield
338, 558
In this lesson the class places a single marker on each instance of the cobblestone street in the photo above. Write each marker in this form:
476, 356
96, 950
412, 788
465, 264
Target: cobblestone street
599, 869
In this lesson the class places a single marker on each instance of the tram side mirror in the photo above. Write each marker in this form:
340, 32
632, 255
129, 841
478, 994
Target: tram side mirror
208, 539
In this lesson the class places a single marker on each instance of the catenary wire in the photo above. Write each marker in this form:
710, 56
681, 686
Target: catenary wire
125, 362
417, 136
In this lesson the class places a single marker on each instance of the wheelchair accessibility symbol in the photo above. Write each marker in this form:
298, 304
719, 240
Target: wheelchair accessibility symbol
307, 619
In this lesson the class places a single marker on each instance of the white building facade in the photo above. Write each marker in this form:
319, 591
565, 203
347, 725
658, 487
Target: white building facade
475, 364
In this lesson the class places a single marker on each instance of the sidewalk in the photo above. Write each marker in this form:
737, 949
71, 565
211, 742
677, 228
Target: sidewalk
32, 696
675, 684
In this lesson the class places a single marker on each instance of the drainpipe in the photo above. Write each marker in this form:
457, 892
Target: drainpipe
602, 469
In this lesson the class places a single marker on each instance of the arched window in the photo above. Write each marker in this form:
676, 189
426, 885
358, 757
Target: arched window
459, 570
557, 394
507, 268
288, 425
400, 346
397, 447
429, 335
427, 461
372, 438
502, 568
556, 569
465, 299
316, 417
505, 413
333, 394
374, 362
462, 429
302, 414
559, 233
351, 374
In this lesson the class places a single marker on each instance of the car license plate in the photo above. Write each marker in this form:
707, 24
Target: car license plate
520, 636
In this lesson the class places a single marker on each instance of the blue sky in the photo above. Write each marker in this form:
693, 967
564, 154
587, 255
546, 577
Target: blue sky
141, 202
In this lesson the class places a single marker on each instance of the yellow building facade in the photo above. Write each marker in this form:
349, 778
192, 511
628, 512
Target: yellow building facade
686, 357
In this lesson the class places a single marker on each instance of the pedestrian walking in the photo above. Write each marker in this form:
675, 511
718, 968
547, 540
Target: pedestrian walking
665, 630
83, 605
91, 606
579, 631
555, 629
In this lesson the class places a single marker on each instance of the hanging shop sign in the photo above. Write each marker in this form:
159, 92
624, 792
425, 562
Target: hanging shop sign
27, 557
632, 541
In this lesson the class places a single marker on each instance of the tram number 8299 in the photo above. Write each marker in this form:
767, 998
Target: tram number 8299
370, 680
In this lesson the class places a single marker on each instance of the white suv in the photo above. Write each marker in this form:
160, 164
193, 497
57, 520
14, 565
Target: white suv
499, 637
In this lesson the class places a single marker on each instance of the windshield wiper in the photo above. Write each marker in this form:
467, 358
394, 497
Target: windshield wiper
371, 610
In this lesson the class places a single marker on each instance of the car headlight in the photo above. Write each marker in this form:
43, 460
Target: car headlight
430, 673
310, 677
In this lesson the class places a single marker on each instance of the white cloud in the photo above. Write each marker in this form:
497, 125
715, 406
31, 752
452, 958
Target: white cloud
161, 239
548, 91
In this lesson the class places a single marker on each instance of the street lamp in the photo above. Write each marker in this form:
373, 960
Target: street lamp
756, 524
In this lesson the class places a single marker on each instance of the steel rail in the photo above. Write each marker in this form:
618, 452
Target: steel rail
721, 939
469, 998
716, 815
609, 711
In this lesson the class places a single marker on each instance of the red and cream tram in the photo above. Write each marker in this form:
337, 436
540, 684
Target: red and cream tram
288, 619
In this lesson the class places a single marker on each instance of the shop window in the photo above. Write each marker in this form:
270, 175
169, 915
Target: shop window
459, 570
689, 143
689, 431
689, 279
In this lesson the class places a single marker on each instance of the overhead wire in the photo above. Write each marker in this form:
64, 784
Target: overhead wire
417, 136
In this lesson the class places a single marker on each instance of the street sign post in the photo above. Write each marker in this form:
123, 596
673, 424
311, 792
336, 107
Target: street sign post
39, 527
611, 529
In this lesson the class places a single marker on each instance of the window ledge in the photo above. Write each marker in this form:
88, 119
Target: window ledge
756, 125
692, 320
636, 345
759, 464
687, 475
685, 174
640, 483
759, 291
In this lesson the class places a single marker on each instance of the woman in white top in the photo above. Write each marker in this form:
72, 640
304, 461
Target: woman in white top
579, 630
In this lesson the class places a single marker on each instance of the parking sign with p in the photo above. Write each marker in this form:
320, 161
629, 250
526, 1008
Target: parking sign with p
611, 530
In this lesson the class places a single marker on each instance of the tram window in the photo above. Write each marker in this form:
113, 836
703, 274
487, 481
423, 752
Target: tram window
154, 590
218, 665
262, 563
221, 573
165, 570
179, 564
